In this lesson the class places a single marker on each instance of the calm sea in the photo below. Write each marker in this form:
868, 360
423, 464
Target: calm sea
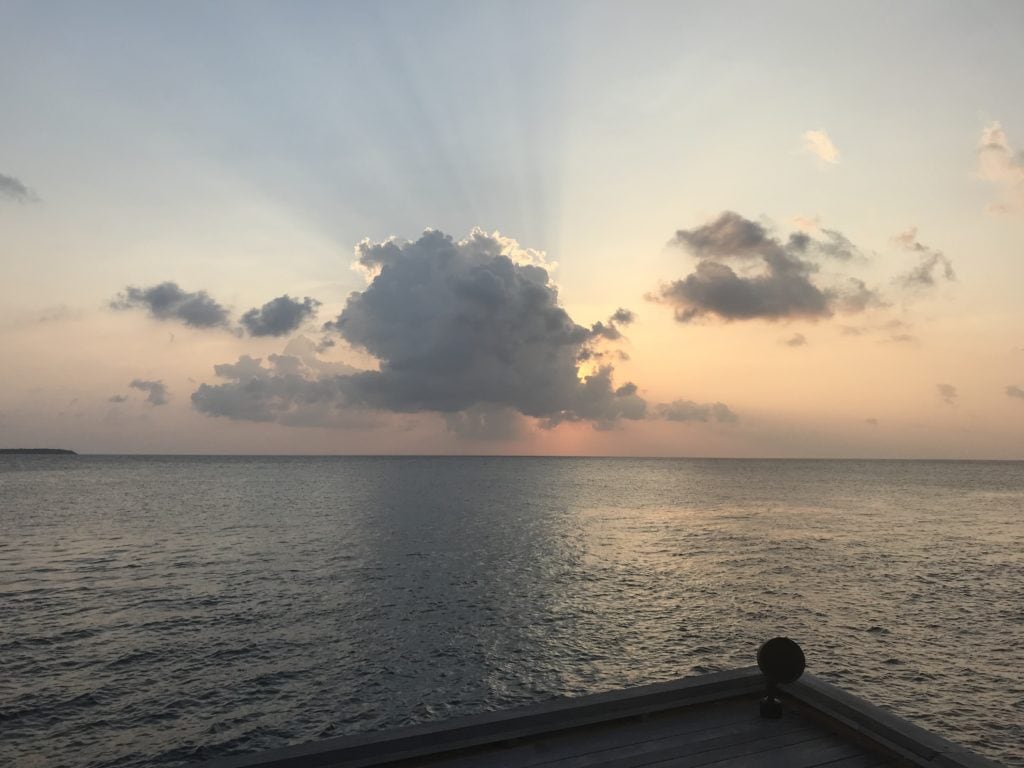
162, 610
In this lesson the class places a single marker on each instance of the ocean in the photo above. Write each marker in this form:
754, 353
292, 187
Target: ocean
163, 610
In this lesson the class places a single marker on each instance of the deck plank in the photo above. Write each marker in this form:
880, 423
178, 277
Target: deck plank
707, 722
678, 745
864, 761
808, 754
733, 753
693, 725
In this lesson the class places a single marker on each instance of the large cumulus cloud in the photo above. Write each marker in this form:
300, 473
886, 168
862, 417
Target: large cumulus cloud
471, 330
744, 272
457, 324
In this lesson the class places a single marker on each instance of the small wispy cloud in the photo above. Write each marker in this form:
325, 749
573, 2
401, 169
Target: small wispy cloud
902, 338
948, 393
688, 410
932, 264
1000, 165
279, 316
157, 390
796, 340
14, 189
1015, 391
167, 301
891, 332
819, 144
807, 223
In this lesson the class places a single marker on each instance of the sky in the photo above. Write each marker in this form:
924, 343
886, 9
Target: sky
737, 229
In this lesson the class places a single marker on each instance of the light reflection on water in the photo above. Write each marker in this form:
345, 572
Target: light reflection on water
162, 610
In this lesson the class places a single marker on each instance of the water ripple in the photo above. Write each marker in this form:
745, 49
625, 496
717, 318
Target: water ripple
161, 611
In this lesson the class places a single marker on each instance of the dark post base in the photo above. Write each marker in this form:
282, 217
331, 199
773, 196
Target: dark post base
771, 707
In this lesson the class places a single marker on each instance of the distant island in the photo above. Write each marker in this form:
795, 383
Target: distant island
38, 451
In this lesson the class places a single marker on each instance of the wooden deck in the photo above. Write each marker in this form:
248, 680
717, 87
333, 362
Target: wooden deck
710, 720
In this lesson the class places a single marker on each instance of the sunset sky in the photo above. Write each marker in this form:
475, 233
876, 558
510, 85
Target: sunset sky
785, 229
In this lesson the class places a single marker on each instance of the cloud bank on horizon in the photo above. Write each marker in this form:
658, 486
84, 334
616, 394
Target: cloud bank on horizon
470, 329
473, 330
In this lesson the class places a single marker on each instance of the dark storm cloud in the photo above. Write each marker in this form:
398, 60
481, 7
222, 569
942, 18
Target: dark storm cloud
1015, 391
156, 390
457, 324
167, 301
948, 393
279, 316
931, 266
13, 189
784, 287
687, 410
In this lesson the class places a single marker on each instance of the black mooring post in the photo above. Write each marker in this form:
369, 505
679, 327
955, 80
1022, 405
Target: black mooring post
781, 661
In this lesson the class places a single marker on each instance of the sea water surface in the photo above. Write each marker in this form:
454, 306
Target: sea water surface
164, 610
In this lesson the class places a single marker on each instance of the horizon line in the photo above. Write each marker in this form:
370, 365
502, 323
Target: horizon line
529, 456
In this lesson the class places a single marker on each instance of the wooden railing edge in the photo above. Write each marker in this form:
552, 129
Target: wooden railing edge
890, 731
551, 716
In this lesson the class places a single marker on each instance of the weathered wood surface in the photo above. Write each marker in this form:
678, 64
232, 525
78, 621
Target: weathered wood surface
856, 718
710, 720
